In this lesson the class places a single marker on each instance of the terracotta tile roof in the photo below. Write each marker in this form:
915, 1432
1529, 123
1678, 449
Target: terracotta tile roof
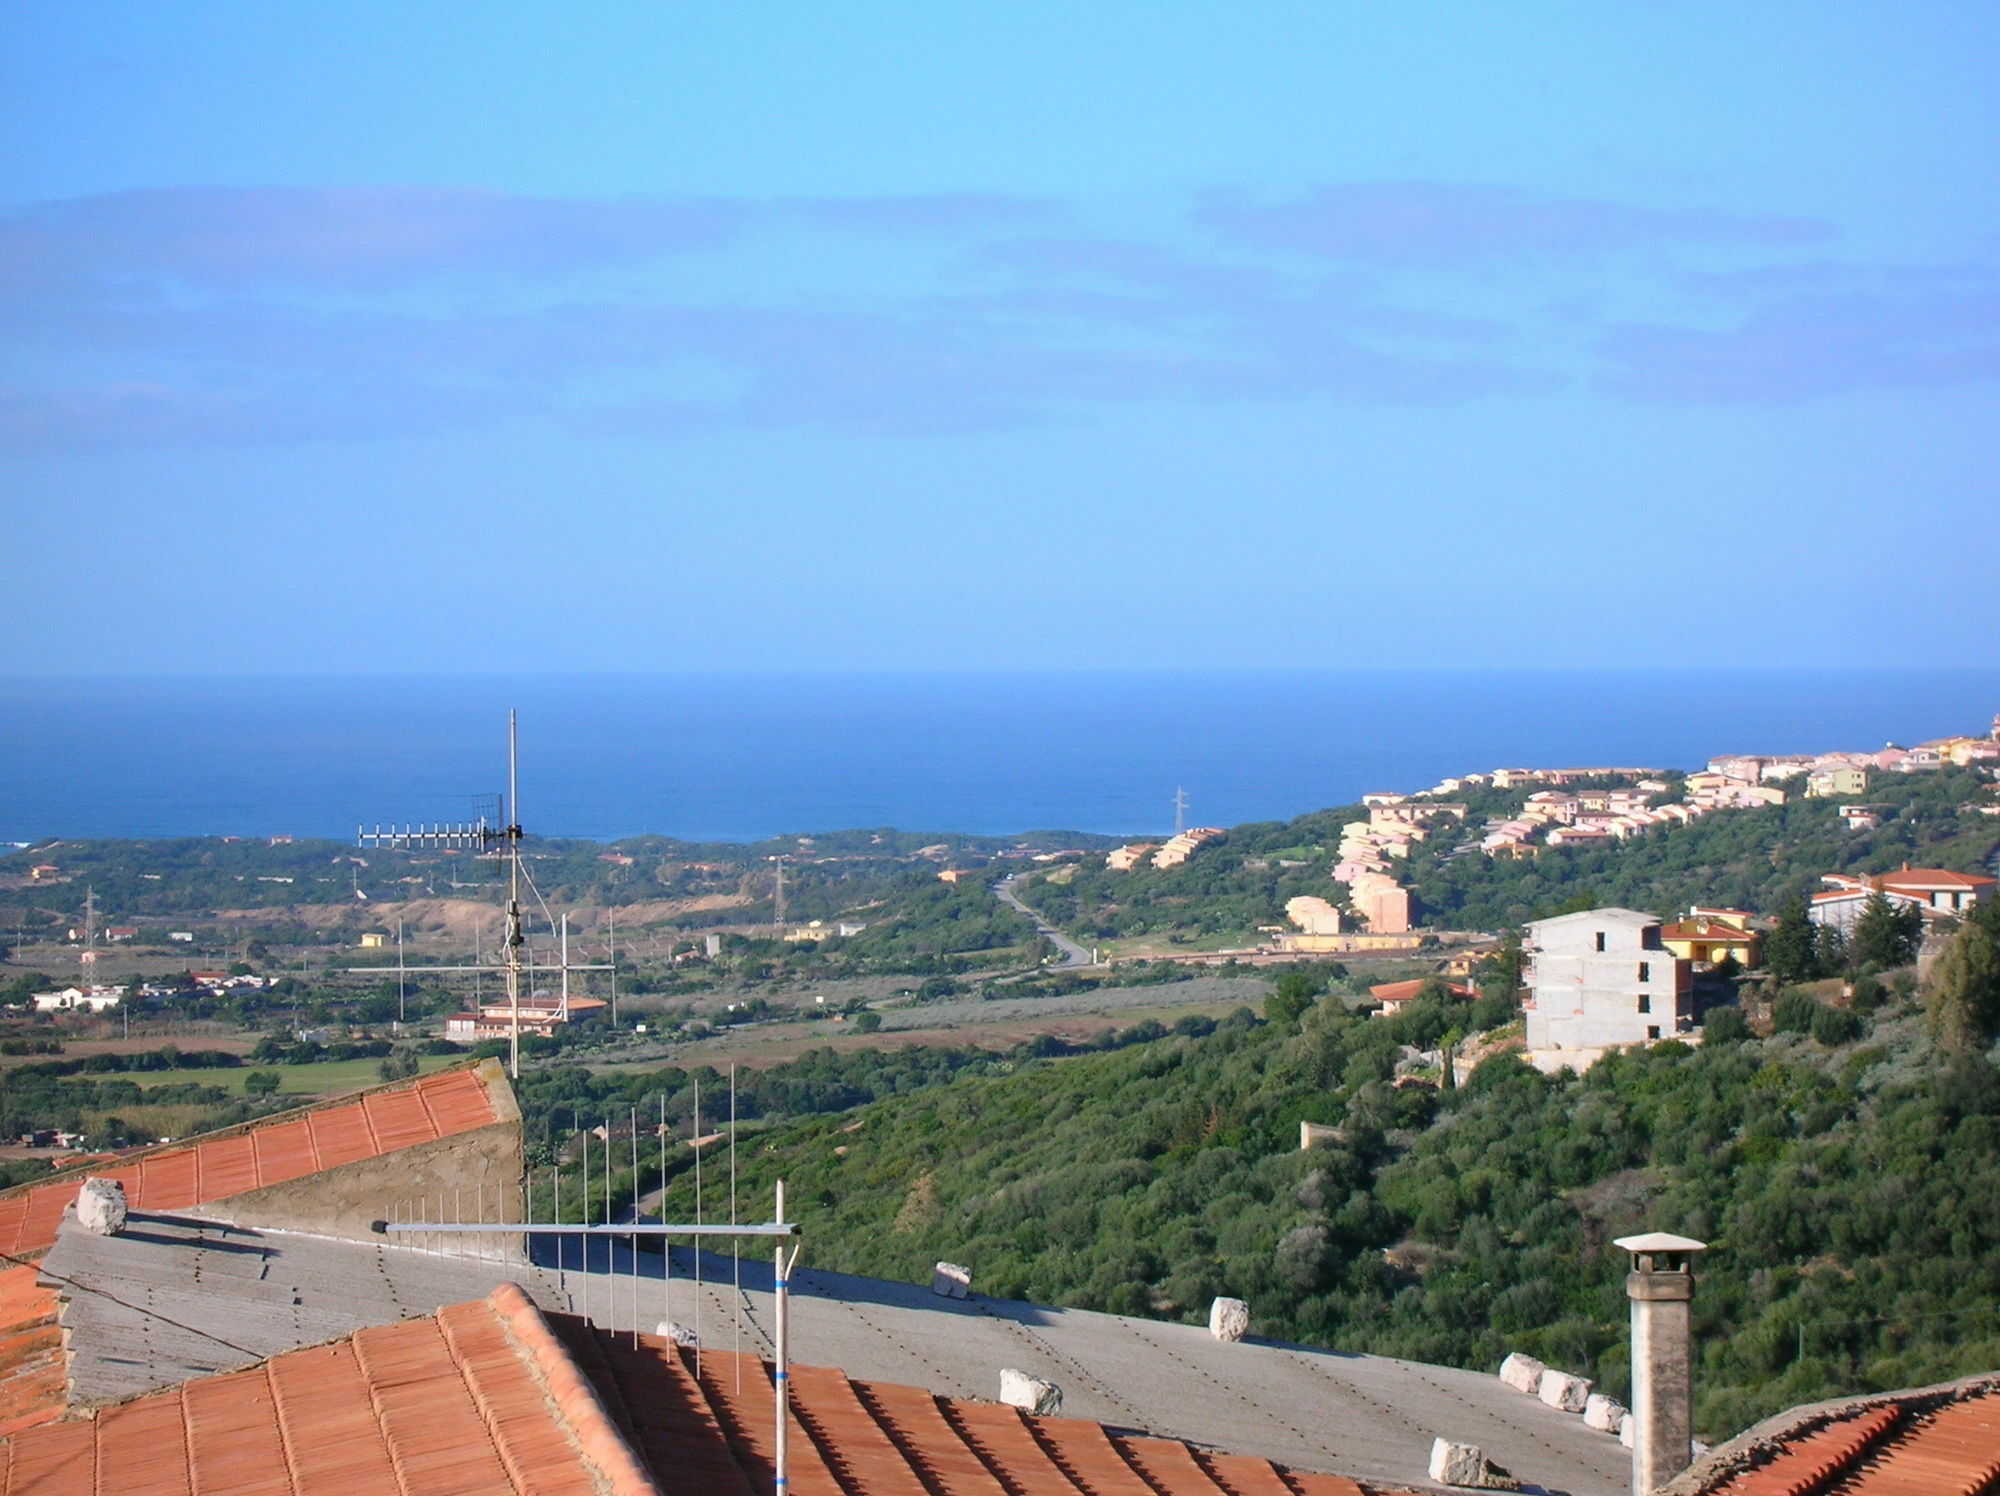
1938, 1441
182, 1175
1934, 878
1701, 929
478, 1399
1402, 992
711, 1431
33, 1378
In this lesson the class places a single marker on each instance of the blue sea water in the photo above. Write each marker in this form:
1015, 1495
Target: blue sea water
741, 757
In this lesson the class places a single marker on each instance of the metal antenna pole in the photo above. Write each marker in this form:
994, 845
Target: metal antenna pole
512, 820
401, 1015
782, 1345
698, 1222
735, 1247
565, 966
611, 959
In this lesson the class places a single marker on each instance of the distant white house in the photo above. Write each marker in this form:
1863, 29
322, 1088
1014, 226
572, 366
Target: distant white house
1601, 979
73, 999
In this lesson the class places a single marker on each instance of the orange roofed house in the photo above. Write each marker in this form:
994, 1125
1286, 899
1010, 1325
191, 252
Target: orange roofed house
1708, 936
1937, 893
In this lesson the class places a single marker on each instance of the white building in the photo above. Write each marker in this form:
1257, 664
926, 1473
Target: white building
74, 999
1602, 978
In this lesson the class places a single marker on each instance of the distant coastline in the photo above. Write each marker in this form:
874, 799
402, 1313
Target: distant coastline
744, 757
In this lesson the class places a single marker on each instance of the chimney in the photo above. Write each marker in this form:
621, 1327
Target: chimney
1660, 1286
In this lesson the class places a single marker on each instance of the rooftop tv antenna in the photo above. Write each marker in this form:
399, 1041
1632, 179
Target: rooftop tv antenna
503, 840
1180, 810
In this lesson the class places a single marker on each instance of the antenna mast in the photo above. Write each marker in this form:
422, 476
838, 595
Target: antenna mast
1180, 810
479, 835
511, 832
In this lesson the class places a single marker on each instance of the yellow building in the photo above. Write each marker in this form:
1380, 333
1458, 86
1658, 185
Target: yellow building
1706, 940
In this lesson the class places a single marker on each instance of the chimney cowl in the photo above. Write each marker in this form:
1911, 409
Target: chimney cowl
1661, 1252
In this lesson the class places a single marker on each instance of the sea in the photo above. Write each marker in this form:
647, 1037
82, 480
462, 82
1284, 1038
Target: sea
743, 757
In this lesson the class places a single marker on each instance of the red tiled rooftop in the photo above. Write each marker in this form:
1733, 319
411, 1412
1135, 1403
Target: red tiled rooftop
180, 1176
1402, 992
34, 1382
1933, 1442
477, 1399
1930, 877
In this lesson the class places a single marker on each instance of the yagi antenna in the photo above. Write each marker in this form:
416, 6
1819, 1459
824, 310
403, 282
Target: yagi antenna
504, 839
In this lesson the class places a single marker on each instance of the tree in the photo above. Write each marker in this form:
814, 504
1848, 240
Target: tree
1790, 954
1290, 997
1963, 1005
1500, 973
260, 1083
1886, 934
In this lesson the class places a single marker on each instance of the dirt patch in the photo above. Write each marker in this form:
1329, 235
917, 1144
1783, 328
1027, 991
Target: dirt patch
459, 919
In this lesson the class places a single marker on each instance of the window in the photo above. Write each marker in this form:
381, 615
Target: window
1645, 971
1653, 1031
1600, 940
1645, 1003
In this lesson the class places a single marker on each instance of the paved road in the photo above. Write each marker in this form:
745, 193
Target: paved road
1074, 956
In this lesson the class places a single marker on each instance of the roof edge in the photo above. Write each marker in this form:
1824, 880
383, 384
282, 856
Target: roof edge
492, 1075
599, 1438
1761, 1441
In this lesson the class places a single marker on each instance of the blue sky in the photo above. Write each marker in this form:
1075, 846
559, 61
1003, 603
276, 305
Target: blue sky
665, 336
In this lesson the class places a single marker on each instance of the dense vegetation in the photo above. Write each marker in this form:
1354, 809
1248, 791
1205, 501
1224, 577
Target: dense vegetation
1846, 1173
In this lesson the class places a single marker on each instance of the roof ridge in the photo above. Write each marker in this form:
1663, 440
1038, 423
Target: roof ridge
573, 1395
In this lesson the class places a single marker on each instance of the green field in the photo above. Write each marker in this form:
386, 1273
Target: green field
328, 1079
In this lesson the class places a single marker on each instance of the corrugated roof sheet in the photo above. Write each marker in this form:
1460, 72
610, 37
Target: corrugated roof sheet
179, 1176
1939, 1441
478, 1399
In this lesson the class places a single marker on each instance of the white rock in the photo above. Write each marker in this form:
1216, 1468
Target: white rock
950, 1281
1605, 1413
1628, 1432
1029, 1394
101, 1206
1229, 1319
1522, 1373
678, 1333
1466, 1465
1561, 1390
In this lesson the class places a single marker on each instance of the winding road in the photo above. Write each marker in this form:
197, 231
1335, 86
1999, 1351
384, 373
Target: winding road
1074, 956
